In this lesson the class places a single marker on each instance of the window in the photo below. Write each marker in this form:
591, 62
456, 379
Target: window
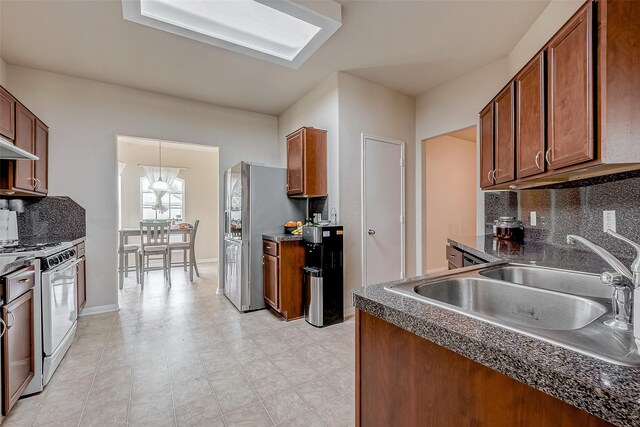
173, 200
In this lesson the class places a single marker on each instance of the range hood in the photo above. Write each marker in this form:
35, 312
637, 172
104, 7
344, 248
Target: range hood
11, 152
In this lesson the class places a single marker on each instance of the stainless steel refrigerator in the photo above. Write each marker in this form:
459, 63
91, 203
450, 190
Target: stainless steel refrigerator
255, 203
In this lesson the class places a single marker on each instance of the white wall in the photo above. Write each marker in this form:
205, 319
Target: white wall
372, 109
200, 175
317, 108
455, 105
85, 117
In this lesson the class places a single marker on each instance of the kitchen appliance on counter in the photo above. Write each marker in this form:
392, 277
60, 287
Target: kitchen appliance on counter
323, 275
255, 203
8, 228
508, 228
54, 296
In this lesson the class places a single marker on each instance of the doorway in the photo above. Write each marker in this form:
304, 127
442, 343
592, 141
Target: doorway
383, 225
450, 193
190, 205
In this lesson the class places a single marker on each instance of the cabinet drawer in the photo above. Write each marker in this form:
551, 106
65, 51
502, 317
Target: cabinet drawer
80, 250
19, 282
269, 247
454, 256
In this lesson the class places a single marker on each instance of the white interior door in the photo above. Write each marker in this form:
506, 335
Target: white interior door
382, 209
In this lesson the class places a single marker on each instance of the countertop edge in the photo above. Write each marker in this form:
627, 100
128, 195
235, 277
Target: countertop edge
582, 395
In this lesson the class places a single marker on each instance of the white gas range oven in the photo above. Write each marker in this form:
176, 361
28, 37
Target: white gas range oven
55, 305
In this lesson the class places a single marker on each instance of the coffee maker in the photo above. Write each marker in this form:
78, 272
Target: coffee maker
323, 275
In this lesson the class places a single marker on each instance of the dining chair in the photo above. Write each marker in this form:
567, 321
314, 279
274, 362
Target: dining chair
188, 246
127, 249
154, 240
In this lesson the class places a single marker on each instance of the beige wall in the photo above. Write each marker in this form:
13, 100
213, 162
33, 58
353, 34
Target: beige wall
86, 116
455, 105
450, 193
201, 187
372, 109
3, 72
317, 108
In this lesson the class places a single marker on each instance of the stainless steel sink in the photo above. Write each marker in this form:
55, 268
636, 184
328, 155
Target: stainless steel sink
515, 304
584, 284
559, 307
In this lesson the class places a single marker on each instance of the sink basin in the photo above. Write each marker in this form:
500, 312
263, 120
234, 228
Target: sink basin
556, 306
515, 304
570, 282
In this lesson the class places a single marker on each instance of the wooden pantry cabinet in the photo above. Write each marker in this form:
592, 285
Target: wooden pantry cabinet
573, 104
282, 264
307, 163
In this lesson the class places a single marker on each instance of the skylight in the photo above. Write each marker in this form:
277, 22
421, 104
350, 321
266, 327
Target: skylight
280, 31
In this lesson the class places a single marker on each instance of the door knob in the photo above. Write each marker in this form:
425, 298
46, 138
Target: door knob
371, 232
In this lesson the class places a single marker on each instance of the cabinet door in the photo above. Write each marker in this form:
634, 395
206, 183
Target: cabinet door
25, 136
570, 93
295, 163
7, 115
81, 283
504, 136
530, 118
17, 351
270, 277
486, 146
41, 146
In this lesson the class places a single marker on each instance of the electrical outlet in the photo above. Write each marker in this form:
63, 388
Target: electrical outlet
609, 220
533, 218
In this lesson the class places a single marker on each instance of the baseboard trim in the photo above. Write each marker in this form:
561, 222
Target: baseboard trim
206, 260
88, 311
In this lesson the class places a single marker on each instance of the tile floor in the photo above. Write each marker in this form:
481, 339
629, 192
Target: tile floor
185, 356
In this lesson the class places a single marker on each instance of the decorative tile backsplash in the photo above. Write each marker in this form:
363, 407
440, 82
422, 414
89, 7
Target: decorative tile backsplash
571, 209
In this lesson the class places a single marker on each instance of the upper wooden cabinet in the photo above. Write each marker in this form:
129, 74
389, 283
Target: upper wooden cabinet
307, 163
486, 146
570, 93
504, 137
530, 118
7, 115
25, 138
575, 104
27, 177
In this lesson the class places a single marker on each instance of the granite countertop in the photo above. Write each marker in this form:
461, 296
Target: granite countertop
9, 263
608, 391
488, 248
282, 237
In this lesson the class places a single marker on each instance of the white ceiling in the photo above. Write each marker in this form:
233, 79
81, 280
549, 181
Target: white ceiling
411, 46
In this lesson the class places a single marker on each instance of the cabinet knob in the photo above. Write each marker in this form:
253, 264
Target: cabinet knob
371, 232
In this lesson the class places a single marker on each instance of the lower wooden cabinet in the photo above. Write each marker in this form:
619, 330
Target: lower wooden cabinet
282, 264
81, 276
405, 380
81, 283
18, 356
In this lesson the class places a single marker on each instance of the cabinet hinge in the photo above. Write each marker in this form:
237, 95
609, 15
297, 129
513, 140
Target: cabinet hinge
401, 163
401, 219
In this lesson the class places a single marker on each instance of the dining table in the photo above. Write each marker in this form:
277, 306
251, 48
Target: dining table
123, 239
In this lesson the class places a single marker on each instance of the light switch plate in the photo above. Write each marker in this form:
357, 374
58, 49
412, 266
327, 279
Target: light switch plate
533, 217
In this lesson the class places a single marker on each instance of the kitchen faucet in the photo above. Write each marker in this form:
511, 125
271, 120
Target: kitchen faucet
625, 301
